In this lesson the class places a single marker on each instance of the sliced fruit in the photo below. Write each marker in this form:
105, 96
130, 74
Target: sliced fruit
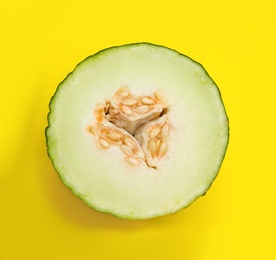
137, 131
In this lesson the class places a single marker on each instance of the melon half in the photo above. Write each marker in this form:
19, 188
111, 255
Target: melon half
137, 131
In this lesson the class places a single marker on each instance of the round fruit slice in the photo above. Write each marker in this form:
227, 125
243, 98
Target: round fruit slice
137, 131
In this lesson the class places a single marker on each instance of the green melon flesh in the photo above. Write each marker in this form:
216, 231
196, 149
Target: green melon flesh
196, 146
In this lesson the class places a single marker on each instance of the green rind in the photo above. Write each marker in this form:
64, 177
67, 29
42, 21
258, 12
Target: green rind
51, 146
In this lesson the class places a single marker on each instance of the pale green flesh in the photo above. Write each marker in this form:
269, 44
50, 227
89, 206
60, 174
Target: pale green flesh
101, 178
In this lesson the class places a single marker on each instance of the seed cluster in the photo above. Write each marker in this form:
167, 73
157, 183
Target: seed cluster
137, 125
130, 112
111, 135
153, 138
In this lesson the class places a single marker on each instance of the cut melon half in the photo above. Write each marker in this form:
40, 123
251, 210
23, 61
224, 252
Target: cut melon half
137, 131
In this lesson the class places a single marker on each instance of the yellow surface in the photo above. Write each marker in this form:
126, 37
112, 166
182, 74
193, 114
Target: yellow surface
41, 42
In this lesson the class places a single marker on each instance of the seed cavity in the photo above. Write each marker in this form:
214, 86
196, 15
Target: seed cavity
138, 126
134, 161
129, 102
122, 92
147, 101
130, 143
152, 147
158, 144
103, 143
113, 112
165, 130
126, 149
127, 110
114, 136
142, 109
163, 149
155, 131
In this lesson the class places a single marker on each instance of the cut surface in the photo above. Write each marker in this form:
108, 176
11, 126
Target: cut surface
137, 131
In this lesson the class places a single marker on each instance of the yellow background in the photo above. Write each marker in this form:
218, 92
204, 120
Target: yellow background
41, 42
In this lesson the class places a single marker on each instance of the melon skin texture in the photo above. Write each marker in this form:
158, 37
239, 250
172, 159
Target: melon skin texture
197, 141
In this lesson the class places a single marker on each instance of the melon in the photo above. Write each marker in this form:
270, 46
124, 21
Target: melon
137, 131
